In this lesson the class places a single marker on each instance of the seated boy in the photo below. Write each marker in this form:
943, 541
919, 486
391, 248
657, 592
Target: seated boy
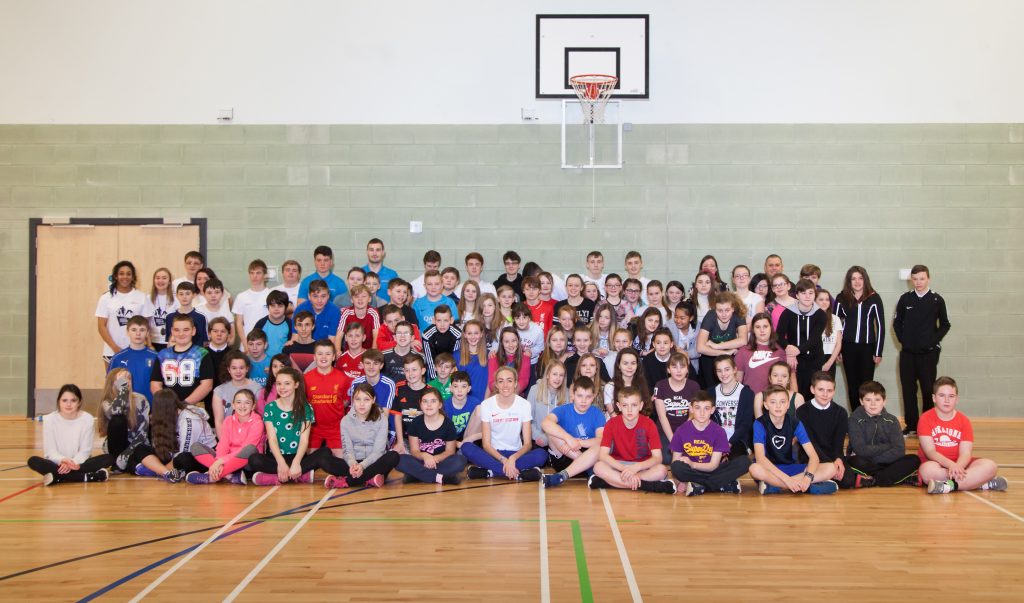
350, 361
444, 365
947, 440
327, 391
138, 358
826, 422
630, 454
574, 433
185, 293
275, 324
877, 449
775, 464
300, 350
460, 406
432, 298
383, 386
394, 359
406, 406
700, 450
259, 362
441, 338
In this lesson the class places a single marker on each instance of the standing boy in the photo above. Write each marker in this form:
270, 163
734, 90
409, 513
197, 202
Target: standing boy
947, 441
137, 358
323, 259
361, 312
375, 255
326, 316
431, 263
593, 274
214, 305
194, 262
634, 270
826, 422
920, 324
878, 452
356, 276
424, 306
275, 324
800, 330
259, 362
700, 453
474, 268
185, 294
511, 276
251, 305
630, 454
291, 275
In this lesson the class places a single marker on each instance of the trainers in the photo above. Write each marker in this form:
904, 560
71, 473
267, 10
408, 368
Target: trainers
409, 479
305, 478
479, 473
826, 487
909, 433
663, 486
940, 487
996, 484
265, 479
694, 489
144, 471
237, 478
532, 474
596, 482
451, 479
101, 475
48, 479
377, 481
766, 488
335, 482
555, 479
197, 478
732, 487
174, 476
863, 481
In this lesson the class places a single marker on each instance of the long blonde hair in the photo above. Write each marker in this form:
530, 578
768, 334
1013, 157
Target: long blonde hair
598, 383
465, 354
543, 391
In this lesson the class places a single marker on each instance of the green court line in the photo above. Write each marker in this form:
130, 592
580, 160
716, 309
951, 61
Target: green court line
586, 593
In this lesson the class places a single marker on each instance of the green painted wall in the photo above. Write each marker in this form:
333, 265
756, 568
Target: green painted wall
884, 196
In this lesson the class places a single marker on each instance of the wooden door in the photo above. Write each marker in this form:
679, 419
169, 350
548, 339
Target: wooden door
73, 263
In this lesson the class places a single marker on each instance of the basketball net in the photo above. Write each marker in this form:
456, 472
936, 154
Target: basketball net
593, 90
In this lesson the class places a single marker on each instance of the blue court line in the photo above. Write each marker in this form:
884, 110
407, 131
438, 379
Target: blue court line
174, 556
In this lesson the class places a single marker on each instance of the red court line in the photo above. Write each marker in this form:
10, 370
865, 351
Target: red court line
22, 491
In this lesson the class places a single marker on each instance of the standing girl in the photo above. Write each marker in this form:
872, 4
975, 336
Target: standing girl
753, 301
565, 322
472, 357
621, 340
288, 419
240, 435
832, 337
721, 333
591, 292
234, 377
506, 299
490, 319
432, 458
124, 421
467, 306
366, 459
649, 322
674, 294
67, 443
702, 296
709, 265
269, 391
506, 446
545, 395
860, 309
754, 360
656, 299
781, 300
511, 354
555, 348
116, 306
601, 330
627, 373
159, 304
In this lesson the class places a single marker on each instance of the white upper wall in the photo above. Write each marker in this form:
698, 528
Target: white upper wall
472, 61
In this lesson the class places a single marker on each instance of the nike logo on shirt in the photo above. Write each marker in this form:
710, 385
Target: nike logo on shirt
760, 358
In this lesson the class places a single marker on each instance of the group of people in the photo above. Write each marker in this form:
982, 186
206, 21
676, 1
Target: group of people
618, 378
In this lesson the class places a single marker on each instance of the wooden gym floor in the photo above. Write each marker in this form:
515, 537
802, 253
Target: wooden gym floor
500, 541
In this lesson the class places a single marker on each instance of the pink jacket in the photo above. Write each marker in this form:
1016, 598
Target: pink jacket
493, 364
235, 435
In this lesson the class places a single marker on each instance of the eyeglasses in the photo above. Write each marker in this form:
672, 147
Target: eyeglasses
632, 291
780, 285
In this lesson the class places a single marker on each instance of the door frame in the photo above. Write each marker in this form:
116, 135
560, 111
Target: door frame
33, 227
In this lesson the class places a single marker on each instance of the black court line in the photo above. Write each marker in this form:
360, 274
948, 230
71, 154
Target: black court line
248, 521
13, 468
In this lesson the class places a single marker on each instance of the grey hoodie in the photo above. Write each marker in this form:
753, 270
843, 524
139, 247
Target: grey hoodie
877, 439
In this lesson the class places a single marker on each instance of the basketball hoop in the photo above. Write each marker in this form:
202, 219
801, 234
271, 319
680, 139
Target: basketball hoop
593, 90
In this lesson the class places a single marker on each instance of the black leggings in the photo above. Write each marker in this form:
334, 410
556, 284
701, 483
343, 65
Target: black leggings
188, 463
858, 366
264, 462
43, 466
382, 466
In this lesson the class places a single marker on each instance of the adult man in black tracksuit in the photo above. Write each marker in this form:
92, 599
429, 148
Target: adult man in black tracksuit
920, 324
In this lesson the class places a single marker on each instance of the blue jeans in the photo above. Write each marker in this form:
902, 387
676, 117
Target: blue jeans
536, 457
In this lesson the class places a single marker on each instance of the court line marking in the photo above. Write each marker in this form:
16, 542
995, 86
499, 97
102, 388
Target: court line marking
995, 506
22, 491
545, 577
586, 592
19, 479
277, 548
20, 466
634, 590
181, 562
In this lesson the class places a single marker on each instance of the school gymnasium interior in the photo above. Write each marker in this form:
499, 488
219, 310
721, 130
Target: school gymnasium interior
880, 134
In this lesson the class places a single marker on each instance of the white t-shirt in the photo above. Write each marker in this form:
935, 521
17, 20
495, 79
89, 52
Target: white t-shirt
157, 315
293, 292
558, 292
751, 301
726, 407
485, 287
210, 314
643, 286
828, 343
418, 289
251, 306
506, 423
533, 339
599, 281
117, 308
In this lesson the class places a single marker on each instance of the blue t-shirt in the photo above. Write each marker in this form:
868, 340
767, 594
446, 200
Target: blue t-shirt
386, 275
334, 283
424, 309
581, 426
460, 416
778, 442
277, 334
140, 364
477, 375
325, 324
259, 369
